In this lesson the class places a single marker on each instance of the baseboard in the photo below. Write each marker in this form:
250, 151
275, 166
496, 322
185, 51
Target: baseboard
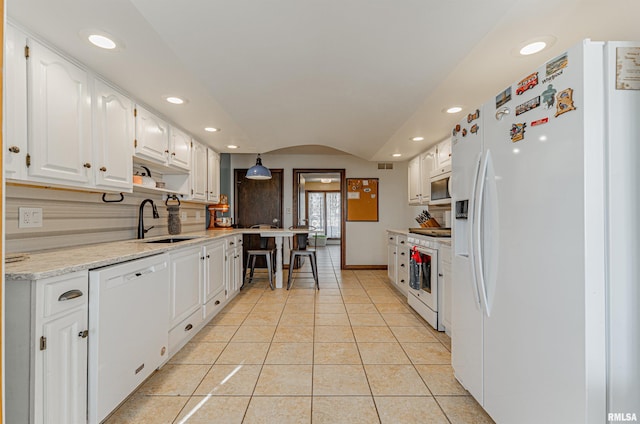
364, 267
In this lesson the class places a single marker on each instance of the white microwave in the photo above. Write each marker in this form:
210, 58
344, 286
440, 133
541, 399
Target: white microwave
441, 186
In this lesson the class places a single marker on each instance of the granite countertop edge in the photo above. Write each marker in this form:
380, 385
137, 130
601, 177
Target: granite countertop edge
55, 262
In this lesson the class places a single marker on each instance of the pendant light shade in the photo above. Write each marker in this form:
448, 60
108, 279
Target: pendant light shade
258, 172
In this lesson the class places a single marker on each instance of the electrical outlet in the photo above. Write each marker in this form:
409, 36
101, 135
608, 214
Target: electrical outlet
197, 216
288, 211
29, 217
183, 216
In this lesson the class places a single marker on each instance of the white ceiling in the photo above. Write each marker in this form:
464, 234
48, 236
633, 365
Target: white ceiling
360, 76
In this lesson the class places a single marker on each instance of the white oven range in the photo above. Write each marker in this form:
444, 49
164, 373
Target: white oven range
424, 294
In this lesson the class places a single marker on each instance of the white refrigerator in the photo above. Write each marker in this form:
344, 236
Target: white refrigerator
545, 191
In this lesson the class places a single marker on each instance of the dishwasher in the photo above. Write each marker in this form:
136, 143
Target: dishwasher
128, 330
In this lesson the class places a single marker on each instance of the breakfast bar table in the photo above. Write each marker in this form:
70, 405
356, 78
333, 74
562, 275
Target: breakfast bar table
278, 234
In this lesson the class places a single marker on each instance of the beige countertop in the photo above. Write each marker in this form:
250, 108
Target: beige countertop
56, 262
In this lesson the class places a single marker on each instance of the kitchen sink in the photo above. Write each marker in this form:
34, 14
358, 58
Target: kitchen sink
169, 240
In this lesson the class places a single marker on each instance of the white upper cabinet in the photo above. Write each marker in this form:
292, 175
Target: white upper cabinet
152, 137
179, 149
415, 192
199, 172
213, 176
158, 142
59, 118
113, 138
15, 142
443, 154
427, 161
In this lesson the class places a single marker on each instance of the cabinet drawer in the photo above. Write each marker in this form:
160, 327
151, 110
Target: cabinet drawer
184, 331
213, 306
64, 293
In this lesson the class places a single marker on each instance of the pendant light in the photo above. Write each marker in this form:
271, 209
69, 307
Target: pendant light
258, 172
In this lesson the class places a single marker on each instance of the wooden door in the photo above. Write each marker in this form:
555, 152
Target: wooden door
257, 202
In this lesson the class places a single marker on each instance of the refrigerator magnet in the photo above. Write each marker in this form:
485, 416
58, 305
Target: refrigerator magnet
517, 131
474, 129
503, 97
556, 64
527, 83
539, 121
548, 96
473, 116
528, 105
464, 132
564, 101
456, 130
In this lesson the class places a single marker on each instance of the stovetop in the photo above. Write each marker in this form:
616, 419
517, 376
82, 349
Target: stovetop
432, 231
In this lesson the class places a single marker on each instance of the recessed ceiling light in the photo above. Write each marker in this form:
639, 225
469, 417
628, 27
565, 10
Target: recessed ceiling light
533, 48
396, 155
533, 45
175, 100
102, 41
325, 180
232, 146
454, 109
417, 139
211, 129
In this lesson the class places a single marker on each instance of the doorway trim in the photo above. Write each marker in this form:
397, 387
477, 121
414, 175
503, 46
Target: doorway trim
343, 201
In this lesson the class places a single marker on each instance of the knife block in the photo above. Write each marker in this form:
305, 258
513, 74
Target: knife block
431, 222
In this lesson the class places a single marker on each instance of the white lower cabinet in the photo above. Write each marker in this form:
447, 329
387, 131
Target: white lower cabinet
444, 284
185, 296
46, 350
398, 261
234, 266
214, 277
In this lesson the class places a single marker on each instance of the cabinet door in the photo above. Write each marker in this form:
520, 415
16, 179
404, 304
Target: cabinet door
59, 118
185, 294
427, 161
152, 137
113, 138
414, 181
213, 176
392, 258
444, 278
180, 149
15, 139
214, 254
237, 265
64, 369
443, 153
199, 172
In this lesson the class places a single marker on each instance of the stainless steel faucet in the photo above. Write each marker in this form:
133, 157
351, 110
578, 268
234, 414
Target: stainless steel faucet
141, 229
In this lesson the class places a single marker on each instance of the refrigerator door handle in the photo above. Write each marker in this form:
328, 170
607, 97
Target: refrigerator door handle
478, 235
472, 208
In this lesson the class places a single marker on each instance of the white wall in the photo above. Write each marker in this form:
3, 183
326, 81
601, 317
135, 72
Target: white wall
366, 242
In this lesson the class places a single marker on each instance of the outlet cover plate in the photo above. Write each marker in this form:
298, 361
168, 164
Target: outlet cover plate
29, 217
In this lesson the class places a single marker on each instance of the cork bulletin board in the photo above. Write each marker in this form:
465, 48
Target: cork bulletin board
362, 199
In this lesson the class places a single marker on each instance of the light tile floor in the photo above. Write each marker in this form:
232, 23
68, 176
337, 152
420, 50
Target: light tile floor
353, 352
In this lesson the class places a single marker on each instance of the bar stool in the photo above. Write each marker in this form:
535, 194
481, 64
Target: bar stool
302, 251
253, 254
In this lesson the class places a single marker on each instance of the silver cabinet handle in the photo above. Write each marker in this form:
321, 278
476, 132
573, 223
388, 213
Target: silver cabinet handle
83, 334
14, 149
71, 294
188, 327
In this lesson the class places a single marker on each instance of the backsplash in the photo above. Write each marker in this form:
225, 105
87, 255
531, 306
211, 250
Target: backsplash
437, 212
74, 218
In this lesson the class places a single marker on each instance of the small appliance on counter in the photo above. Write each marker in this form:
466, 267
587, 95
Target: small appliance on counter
219, 222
